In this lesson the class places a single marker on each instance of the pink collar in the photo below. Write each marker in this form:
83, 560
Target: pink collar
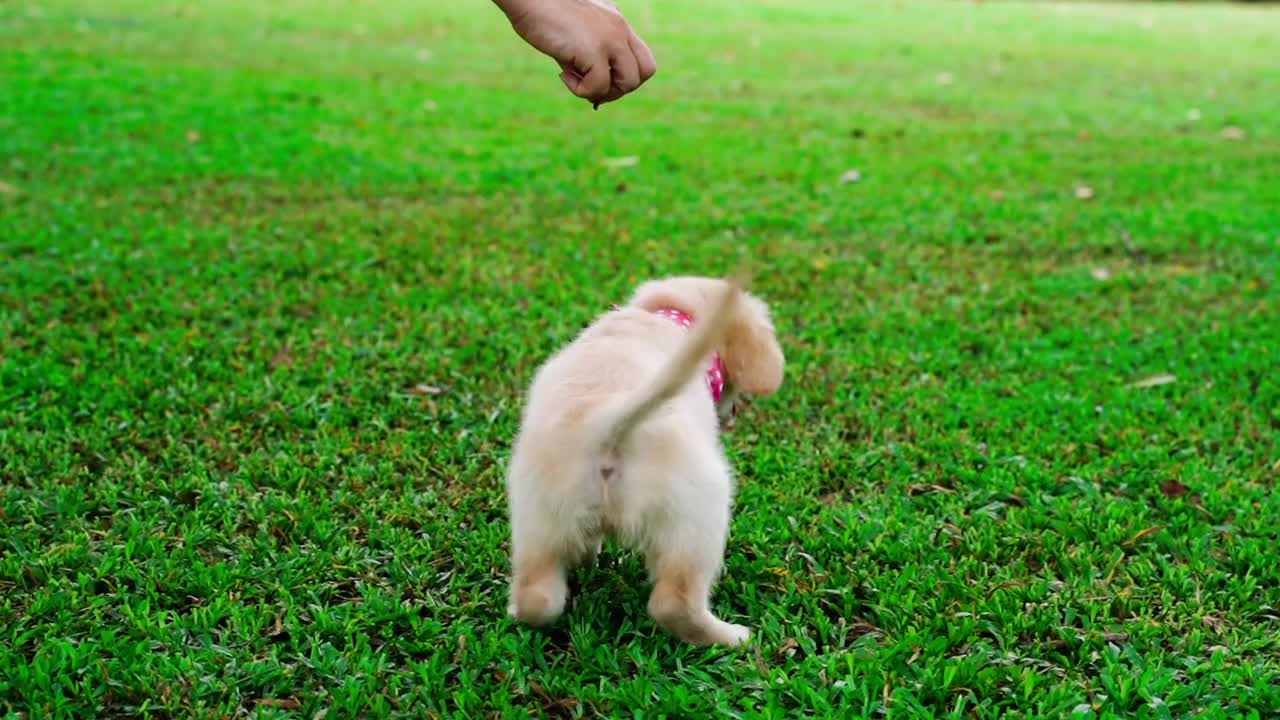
715, 373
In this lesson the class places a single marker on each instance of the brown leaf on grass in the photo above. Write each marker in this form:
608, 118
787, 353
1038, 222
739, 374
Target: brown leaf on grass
193, 136
1231, 132
1154, 381
1142, 534
862, 627
1213, 623
787, 649
282, 358
8, 189
1173, 489
927, 488
425, 389
289, 703
953, 534
564, 704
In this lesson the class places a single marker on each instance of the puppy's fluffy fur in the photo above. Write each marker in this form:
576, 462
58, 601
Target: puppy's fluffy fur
620, 437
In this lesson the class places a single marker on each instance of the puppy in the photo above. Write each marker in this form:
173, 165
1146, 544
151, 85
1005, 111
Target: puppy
620, 437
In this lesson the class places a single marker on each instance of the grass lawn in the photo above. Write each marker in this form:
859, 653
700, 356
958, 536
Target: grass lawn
274, 276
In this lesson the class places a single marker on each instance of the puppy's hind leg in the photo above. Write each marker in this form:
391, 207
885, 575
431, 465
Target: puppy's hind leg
679, 603
685, 564
539, 588
554, 526
551, 532
541, 552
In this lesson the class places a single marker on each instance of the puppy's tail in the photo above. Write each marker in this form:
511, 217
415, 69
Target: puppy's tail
682, 367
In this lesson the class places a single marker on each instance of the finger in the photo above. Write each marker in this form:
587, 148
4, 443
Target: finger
574, 81
615, 93
625, 72
644, 58
588, 78
569, 76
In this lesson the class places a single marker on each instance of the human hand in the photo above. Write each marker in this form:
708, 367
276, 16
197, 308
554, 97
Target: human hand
601, 58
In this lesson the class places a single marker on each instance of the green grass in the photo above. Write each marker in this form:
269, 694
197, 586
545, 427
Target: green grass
233, 239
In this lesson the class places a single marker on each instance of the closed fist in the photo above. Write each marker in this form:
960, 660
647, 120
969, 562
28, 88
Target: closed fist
601, 58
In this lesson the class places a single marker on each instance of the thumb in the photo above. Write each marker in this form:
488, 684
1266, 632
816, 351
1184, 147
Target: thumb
589, 79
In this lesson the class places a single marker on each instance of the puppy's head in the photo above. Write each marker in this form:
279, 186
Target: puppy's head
750, 351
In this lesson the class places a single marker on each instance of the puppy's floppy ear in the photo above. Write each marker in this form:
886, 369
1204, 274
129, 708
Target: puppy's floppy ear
750, 349
669, 292
752, 355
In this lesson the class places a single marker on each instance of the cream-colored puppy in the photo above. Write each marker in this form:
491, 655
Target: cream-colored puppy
620, 436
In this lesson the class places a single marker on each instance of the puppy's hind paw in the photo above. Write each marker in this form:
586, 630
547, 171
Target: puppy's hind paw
536, 606
734, 635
